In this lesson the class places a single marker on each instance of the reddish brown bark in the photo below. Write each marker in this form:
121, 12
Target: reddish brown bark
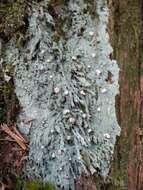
126, 22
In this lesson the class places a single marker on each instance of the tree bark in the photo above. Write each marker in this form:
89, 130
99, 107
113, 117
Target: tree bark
127, 27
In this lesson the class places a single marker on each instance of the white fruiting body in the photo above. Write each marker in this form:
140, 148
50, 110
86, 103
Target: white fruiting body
74, 58
42, 67
84, 115
89, 130
91, 33
103, 90
93, 55
53, 155
59, 152
68, 138
66, 92
107, 135
98, 72
48, 60
56, 90
52, 131
51, 76
72, 120
98, 109
79, 158
82, 92
42, 51
66, 111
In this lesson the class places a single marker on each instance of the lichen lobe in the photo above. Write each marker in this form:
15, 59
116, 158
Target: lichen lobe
61, 82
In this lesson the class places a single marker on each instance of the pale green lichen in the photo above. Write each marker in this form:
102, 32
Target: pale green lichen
45, 70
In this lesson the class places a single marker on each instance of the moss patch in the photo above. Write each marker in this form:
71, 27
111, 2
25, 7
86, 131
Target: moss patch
12, 20
22, 184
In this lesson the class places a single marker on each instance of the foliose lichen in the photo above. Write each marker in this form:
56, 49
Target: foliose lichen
61, 83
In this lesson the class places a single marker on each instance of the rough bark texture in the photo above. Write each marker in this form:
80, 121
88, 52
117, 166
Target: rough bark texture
126, 26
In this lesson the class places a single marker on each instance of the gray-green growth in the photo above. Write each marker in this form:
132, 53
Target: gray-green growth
61, 84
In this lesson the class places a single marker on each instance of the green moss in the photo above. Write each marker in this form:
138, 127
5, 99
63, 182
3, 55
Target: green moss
33, 185
9, 104
36, 185
49, 186
22, 184
117, 182
91, 8
12, 17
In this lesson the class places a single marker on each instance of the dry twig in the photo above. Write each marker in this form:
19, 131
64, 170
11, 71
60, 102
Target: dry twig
16, 137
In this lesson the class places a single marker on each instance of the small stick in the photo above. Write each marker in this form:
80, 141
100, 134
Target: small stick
18, 133
14, 136
7, 140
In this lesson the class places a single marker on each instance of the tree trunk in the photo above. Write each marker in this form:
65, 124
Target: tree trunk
58, 61
127, 28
